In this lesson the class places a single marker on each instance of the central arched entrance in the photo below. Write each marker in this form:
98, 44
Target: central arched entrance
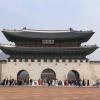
23, 77
48, 74
73, 75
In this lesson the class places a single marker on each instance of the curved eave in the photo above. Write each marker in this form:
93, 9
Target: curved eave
27, 35
86, 50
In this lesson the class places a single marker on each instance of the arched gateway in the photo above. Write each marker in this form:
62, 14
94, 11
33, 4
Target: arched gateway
48, 74
73, 75
23, 77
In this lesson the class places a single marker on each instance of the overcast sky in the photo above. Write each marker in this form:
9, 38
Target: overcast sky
52, 14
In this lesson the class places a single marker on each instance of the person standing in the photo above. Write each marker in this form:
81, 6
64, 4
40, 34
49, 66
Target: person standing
88, 83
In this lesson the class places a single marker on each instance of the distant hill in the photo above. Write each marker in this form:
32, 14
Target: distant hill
3, 56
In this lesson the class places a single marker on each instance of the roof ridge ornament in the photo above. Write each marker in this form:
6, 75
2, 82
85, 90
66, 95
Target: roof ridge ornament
71, 29
24, 28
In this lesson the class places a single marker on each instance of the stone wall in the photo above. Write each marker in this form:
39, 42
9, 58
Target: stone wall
0, 69
86, 69
95, 69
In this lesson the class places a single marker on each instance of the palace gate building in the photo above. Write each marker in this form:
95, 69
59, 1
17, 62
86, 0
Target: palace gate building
48, 54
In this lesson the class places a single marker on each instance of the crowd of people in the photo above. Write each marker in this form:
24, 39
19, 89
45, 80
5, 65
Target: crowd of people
46, 82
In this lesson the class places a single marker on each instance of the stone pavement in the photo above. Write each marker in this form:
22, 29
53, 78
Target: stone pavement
49, 93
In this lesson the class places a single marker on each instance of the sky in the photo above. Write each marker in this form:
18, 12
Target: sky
52, 14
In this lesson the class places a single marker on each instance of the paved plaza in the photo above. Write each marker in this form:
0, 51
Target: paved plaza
49, 93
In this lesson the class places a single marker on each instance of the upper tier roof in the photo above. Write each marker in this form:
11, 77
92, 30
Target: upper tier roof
27, 34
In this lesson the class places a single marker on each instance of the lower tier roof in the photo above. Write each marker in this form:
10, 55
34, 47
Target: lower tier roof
86, 50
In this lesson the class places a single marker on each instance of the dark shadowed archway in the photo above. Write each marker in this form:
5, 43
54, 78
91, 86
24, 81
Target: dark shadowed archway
73, 75
48, 74
23, 77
